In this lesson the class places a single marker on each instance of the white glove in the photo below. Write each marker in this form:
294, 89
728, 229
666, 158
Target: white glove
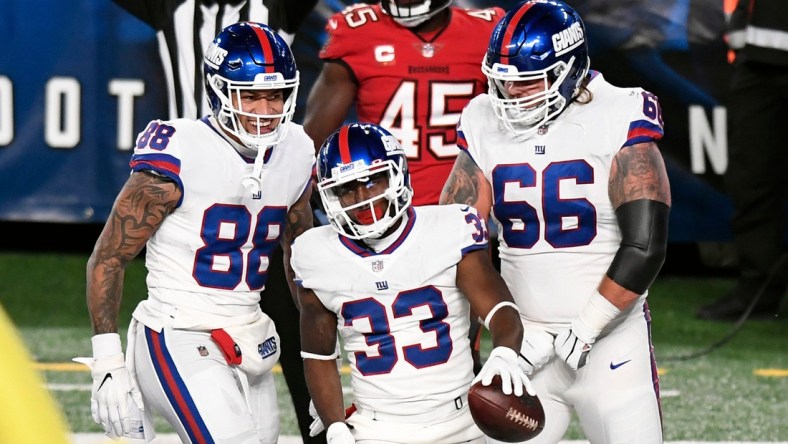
506, 362
317, 425
573, 350
537, 349
574, 344
338, 433
115, 402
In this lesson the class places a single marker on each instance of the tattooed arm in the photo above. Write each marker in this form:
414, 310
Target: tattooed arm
143, 203
638, 172
467, 185
640, 193
299, 219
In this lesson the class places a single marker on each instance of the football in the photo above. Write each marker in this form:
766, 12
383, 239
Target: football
507, 418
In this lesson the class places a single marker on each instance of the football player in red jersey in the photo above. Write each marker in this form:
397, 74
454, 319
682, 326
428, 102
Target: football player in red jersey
409, 66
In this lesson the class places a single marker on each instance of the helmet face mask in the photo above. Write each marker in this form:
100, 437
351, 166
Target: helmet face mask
361, 153
413, 13
250, 58
539, 40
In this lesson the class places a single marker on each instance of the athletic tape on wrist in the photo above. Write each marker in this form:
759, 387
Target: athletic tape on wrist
106, 344
307, 355
497, 307
594, 317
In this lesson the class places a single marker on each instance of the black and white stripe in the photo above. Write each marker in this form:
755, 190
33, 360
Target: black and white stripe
185, 28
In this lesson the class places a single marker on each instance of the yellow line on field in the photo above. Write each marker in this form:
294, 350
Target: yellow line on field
771, 372
60, 367
76, 367
766, 372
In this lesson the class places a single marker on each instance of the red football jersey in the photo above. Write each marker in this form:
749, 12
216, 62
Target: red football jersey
412, 86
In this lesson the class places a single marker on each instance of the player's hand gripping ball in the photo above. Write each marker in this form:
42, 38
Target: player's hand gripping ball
507, 418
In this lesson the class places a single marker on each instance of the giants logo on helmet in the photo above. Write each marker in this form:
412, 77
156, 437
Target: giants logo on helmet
346, 168
267, 78
568, 39
392, 146
215, 55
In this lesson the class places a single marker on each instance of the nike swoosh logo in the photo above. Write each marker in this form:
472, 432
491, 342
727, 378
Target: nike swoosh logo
615, 366
108, 376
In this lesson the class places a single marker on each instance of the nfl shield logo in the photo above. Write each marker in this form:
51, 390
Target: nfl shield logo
428, 50
377, 266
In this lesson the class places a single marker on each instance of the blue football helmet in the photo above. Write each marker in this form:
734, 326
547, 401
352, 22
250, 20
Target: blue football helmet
536, 40
250, 56
412, 13
354, 153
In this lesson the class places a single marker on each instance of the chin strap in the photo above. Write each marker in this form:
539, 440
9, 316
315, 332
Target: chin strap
253, 183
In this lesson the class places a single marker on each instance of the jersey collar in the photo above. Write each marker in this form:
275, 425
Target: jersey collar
361, 249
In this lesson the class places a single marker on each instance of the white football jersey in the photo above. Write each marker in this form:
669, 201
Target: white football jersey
403, 321
557, 228
211, 254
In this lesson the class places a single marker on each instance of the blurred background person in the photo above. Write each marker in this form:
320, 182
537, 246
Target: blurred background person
635, 32
184, 29
758, 159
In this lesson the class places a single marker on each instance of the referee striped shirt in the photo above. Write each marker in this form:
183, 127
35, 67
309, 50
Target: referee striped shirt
185, 28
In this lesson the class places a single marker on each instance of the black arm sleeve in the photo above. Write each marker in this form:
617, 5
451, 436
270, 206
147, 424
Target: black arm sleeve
644, 240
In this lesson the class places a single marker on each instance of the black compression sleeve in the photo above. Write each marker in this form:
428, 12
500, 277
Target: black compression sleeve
644, 239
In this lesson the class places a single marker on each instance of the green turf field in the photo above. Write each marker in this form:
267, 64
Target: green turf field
736, 393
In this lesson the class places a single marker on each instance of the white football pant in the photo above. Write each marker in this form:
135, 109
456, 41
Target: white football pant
184, 377
615, 395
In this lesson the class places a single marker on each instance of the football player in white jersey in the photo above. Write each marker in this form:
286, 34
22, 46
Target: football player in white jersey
397, 281
568, 167
208, 199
